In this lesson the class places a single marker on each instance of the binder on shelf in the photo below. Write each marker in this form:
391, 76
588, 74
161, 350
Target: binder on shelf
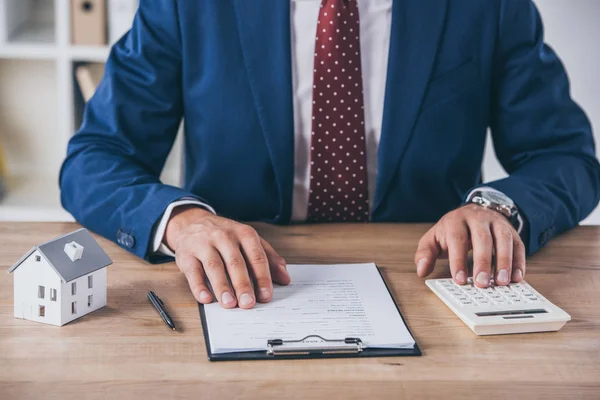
88, 20
120, 18
86, 83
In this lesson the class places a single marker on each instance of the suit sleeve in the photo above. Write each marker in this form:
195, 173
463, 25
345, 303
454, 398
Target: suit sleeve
541, 136
110, 178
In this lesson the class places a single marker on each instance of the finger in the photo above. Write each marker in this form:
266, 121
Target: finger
259, 267
503, 243
238, 273
457, 238
427, 253
278, 265
215, 271
519, 259
482, 243
194, 274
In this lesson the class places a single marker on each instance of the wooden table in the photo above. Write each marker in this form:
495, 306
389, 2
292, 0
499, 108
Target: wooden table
124, 351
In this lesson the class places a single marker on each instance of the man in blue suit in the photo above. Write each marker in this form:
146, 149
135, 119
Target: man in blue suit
331, 111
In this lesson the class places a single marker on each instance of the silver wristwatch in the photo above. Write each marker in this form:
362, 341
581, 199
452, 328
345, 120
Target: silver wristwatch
499, 202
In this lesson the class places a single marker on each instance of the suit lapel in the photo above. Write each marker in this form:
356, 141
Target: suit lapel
265, 35
417, 26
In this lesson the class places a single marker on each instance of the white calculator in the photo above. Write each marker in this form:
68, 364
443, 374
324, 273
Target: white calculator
499, 310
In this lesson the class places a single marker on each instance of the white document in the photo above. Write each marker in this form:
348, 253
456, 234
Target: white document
332, 301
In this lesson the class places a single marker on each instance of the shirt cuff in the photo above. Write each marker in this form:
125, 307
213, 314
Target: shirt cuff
158, 247
492, 190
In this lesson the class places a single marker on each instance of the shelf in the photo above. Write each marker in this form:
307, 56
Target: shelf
28, 51
31, 51
33, 199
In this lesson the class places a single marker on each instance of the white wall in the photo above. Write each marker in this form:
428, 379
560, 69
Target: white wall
27, 277
573, 31
81, 296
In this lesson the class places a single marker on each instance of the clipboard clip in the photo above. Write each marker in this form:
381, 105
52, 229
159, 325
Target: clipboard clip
314, 344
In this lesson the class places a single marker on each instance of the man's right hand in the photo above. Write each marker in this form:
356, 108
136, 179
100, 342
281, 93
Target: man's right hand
224, 251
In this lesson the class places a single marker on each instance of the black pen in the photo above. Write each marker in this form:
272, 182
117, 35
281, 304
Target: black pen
160, 307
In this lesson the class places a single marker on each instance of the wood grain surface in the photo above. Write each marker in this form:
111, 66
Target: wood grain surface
124, 351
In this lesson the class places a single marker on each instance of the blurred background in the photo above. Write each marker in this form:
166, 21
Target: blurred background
52, 54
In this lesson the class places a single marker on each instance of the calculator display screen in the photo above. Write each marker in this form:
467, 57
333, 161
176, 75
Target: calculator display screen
512, 313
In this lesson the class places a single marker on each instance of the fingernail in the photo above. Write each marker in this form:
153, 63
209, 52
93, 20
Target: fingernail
227, 298
421, 265
264, 294
246, 299
461, 277
517, 275
204, 295
483, 278
502, 276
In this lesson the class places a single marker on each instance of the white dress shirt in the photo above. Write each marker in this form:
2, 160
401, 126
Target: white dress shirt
375, 28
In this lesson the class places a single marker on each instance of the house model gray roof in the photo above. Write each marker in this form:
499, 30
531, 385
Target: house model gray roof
93, 258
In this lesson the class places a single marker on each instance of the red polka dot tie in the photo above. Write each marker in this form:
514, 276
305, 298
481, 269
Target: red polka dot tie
338, 179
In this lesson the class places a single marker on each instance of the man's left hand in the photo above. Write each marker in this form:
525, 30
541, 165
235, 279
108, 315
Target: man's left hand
484, 231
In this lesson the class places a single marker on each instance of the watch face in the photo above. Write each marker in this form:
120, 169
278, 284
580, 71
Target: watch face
497, 198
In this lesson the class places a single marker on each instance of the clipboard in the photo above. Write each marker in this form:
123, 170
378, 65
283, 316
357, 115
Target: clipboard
312, 346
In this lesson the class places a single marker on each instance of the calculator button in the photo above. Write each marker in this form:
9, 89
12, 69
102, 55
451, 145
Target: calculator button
515, 285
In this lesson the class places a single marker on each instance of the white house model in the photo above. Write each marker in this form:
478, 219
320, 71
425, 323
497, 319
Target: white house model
61, 280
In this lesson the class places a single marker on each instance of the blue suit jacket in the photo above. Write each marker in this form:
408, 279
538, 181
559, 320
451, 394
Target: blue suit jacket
455, 69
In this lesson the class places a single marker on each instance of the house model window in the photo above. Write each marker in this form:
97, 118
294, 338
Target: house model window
90, 281
42, 311
73, 288
74, 251
52, 294
41, 292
